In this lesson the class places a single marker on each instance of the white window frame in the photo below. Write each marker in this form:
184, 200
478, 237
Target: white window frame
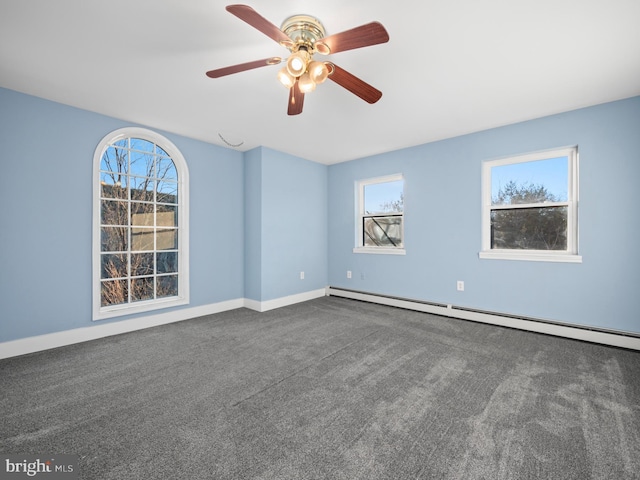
359, 214
571, 253
182, 298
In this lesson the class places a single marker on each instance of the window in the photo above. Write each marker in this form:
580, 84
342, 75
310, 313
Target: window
530, 206
140, 224
380, 215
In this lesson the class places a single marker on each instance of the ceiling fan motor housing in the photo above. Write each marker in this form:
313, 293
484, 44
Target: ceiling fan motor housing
304, 31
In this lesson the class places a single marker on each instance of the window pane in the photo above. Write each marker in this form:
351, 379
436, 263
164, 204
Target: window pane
114, 239
167, 262
114, 266
141, 164
114, 292
167, 239
113, 185
142, 214
142, 188
142, 145
529, 228
141, 264
530, 182
141, 238
384, 197
167, 216
114, 160
141, 289
382, 231
166, 169
161, 151
167, 286
113, 213
167, 192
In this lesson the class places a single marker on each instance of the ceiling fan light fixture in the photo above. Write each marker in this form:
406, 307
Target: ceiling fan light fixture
286, 78
304, 36
306, 84
297, 63
318, 71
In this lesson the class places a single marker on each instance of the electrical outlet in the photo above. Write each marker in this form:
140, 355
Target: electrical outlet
460, 286
348, 273
301, 275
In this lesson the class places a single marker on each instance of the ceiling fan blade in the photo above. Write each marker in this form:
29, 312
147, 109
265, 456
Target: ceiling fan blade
296, 100
257, 21
363, 36
221, 72
354, 84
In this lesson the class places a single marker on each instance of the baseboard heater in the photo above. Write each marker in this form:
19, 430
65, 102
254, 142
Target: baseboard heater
586, 333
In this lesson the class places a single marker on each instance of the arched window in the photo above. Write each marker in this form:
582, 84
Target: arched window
140, 235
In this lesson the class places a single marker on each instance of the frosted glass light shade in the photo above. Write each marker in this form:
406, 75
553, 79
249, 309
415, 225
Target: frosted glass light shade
306, 84
297, 63
285, 78
318, 71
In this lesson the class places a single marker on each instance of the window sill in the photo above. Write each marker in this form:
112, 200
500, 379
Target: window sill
532, 256
380, 250
138, 307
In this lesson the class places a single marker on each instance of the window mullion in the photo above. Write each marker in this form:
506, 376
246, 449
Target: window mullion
129, 226
515, 206
154, 254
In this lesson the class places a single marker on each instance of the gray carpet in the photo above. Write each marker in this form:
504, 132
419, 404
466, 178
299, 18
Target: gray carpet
328, 389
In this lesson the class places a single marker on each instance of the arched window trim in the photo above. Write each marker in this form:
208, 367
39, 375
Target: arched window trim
182, 298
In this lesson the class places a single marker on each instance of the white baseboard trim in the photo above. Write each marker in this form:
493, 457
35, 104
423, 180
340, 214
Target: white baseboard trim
284, 301
47, 341
630, 341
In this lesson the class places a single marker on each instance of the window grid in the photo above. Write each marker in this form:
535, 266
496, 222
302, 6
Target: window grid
125, 149
568, 207
381, 229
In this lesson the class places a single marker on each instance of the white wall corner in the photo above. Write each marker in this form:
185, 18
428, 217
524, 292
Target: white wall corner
267, 305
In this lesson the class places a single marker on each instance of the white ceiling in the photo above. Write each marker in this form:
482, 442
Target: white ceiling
451, 67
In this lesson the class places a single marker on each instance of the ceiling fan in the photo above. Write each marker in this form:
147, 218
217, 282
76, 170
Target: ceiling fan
304, 36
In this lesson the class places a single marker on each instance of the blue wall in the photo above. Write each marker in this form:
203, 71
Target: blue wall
45, 221
253, 224
286, 219
443, 223
258, 219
